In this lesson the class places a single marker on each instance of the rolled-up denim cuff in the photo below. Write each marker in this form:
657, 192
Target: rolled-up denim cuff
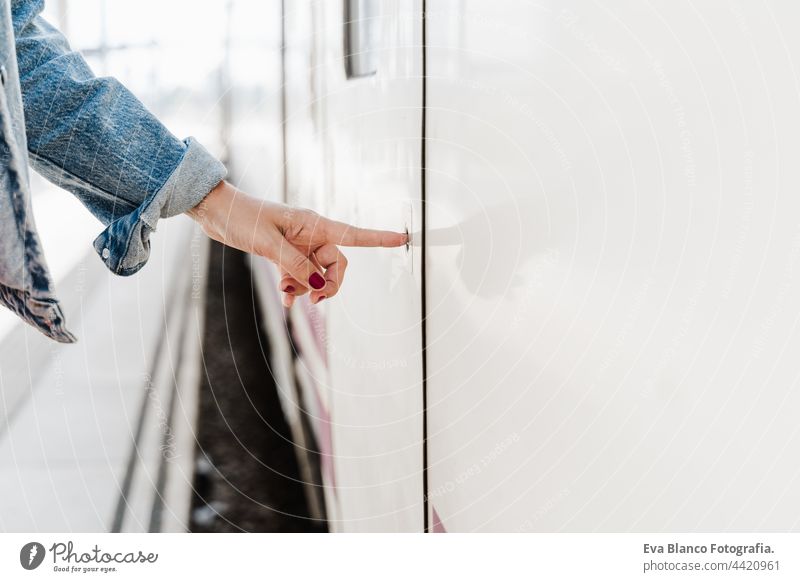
124, 246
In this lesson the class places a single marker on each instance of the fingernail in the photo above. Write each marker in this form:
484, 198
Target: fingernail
288, 289
321, 297
316, 281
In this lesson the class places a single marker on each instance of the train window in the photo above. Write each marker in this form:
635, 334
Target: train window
360, 36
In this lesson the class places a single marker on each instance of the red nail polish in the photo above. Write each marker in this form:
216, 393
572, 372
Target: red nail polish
321, 297
316, 281
288, 289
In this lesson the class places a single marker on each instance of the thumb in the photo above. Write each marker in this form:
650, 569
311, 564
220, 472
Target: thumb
299, 266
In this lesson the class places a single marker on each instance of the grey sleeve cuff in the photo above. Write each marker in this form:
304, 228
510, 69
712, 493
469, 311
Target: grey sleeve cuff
124, 246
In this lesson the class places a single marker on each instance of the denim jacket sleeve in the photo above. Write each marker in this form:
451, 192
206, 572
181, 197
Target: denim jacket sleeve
91, 136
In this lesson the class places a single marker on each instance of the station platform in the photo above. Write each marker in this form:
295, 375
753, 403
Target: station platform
97, 435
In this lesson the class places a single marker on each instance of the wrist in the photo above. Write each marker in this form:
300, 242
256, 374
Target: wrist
208, 206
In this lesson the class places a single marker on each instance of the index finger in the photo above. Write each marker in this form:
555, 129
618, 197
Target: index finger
346, 235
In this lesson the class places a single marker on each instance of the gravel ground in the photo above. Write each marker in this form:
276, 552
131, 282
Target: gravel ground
246, 476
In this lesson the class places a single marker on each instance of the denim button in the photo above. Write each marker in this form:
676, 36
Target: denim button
106, 253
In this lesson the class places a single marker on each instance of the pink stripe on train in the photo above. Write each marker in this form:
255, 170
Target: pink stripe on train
438, 526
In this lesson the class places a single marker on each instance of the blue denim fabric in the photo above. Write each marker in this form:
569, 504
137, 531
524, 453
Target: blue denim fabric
92, 137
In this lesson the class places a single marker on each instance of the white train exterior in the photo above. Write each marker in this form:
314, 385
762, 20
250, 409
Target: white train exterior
596, 325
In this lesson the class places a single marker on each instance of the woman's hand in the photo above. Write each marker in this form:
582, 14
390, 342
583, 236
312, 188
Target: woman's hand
300, 242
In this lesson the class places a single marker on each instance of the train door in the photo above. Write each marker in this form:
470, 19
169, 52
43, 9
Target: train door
366, 360
612, 266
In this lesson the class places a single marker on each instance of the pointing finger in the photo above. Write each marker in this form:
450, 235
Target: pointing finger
340, 233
